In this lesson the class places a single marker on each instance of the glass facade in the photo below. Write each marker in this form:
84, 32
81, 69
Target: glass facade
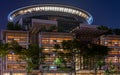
16, 67
113, 42
13, 62
47, 40
20, 37
13, 58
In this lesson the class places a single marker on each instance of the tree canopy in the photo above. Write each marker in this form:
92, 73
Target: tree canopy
90, 55
12, 26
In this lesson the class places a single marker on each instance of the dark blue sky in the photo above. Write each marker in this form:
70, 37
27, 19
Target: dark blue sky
104, 12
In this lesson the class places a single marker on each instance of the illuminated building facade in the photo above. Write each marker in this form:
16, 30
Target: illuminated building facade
37, 21
48, 40
11, 65
22, 37
46, 9
63, 14
47, 25
113, 42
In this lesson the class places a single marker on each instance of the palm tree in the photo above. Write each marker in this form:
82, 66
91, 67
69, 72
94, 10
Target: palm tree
3, 50
33, 56
8, 48
15, 47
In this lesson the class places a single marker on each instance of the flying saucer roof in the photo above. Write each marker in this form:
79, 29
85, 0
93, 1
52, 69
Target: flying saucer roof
41, 9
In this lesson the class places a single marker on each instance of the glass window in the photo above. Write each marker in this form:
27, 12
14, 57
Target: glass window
16, 66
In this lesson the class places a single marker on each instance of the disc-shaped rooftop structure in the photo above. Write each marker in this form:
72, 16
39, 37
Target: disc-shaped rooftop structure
51, 10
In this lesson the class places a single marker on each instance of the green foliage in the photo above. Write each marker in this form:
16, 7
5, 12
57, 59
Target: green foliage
12, 26
58, 61
97, 50
110, 31
87, 51
14, 47
102, 27
17, 27
56, 46
62, 57
3, 50
33, 56
106, 29
116, 31
50, 29
100, 63
110, 69
7, 48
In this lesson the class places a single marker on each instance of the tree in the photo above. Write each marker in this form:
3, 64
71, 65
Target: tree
60, 60
14, 47
69, 48
3, 50
52, 28
7, 48
17, 27
12, 26
116, 31
110, 68
33, 57
103, 27
106, 29
98, 52
88, 53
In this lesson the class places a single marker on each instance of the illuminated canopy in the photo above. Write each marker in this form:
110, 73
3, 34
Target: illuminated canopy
48, 8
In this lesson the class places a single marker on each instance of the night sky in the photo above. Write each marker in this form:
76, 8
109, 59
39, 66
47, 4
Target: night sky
104, 12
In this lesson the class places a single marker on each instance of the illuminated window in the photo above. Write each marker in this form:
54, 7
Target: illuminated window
16, 66
13, 57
